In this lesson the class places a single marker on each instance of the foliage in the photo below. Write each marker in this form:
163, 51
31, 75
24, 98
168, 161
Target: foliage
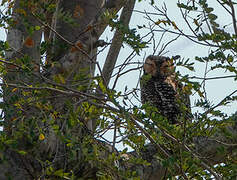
130, 36
46, 117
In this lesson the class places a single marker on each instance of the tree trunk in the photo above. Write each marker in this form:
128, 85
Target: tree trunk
73, 62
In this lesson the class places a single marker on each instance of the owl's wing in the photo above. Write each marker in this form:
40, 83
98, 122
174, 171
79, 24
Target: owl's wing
145, 85
184, 98
181, 101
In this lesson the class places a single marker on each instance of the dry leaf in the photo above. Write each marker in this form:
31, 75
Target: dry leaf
41, 137
78, 12
29, 42
14, 89
77, 45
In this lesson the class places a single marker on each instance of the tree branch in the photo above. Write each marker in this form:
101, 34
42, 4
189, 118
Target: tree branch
233, 16
117, 42
205, 147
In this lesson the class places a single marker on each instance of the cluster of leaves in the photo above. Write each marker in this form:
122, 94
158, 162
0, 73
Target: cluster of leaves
165, 22
130, 36
224, 46
67, 17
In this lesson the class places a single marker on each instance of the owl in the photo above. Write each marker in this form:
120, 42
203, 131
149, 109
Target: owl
161, 89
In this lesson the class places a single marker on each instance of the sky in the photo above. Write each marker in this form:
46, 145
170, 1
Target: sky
216, 89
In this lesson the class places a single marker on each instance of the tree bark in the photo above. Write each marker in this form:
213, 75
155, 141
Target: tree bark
72, 59
23, 45
117, 42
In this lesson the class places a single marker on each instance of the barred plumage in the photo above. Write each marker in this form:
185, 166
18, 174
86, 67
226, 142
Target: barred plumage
160, 88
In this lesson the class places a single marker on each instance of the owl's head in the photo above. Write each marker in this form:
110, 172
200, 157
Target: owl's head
159, 66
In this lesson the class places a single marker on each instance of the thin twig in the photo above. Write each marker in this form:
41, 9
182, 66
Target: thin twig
233, 16
213, 78
220, 103
224, 7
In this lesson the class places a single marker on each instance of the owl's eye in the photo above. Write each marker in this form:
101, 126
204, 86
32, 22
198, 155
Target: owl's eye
150, 67
168, 65
148, 64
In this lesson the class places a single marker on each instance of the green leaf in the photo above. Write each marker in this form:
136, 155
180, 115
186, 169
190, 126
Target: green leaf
61, 173
22, 152
209, 9
37, 28
199, 59
10, 141
102, 86
231, 68
230, 59
55, 127
183, 6
212, 17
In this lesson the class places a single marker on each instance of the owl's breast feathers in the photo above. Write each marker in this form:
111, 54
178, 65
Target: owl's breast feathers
162, 93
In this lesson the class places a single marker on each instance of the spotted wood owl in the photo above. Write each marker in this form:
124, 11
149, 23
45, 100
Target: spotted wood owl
161, 89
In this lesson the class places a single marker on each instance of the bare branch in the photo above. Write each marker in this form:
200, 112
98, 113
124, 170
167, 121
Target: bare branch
233, 16
117, 42
213, 78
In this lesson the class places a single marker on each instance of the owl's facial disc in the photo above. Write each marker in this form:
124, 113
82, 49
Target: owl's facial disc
167, 67
159, 66
150, 67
